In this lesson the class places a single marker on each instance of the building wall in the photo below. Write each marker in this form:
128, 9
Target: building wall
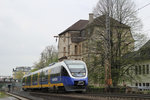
142, 75
63, 43
68, 48
24, 70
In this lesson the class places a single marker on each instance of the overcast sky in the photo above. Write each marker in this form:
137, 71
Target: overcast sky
28, 26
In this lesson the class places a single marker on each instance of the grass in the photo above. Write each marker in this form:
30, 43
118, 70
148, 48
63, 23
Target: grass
2, 94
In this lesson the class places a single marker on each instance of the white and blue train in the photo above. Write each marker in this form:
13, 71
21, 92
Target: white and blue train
69, 75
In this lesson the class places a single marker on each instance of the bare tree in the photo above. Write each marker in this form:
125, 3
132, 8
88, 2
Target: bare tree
125, 28
19, 75
48, 55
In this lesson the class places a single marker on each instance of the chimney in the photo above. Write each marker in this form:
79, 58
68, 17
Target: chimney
91, 17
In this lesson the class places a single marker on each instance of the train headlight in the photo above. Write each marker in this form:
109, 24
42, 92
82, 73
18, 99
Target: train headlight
72, 74
83, 73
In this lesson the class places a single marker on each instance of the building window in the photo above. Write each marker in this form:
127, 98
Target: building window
136, 70
139, 69
64, 37
80, 49
76, 49
147, 84
139, 84
136, 84
143, 84
82, 59
143, 69
147, 69
64, 51
68, 50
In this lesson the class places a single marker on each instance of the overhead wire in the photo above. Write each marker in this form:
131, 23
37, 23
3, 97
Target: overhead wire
141, 9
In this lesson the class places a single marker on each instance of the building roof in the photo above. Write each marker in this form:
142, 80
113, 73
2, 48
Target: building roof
78, 26
101, 20
142, 54
146, 45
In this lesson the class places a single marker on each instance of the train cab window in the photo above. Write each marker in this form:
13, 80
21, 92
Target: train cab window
64, 72
76, 68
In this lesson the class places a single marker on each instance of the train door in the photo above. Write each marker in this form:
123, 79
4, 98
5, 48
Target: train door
64, 75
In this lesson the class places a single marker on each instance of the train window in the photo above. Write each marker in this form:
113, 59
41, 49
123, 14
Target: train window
40, 76
23, 81
29, 80
43, 76
34, 78
46, 75
55, 72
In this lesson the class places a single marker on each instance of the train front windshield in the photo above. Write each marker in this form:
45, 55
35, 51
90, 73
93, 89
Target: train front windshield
77, 69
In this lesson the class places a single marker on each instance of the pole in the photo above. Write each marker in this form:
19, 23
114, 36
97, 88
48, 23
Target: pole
108, 80
68, 47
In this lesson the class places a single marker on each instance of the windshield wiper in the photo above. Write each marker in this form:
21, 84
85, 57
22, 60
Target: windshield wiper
81, 70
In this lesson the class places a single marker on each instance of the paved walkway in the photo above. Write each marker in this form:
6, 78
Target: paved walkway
8, 98
21, 98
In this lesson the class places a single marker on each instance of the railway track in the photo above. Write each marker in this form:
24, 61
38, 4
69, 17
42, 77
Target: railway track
88, 96
80, 96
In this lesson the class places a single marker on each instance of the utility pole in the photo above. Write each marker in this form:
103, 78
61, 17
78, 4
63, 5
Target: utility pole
108, 80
